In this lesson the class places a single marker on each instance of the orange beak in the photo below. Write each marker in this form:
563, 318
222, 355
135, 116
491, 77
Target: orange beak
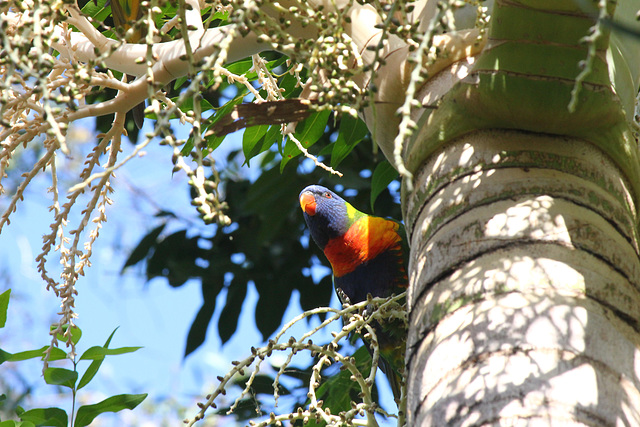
308, 203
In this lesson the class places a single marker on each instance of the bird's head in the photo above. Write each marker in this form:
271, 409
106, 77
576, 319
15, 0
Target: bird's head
327, 214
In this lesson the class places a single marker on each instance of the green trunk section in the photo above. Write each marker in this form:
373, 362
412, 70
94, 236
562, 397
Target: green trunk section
525, 77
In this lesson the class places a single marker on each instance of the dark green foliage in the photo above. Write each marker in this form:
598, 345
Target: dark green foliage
262, 247
267, 244
144, 246
174, 257
338, 390
247, 409
352, 131
231, 310
211, 286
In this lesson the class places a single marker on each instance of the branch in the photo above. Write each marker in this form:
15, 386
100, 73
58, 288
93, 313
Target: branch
382, 309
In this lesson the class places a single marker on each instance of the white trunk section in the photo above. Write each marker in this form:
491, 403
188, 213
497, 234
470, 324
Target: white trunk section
524, 300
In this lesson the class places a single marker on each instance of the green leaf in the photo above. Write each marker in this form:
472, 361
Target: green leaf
240, 67
144, 247
308, 133
289, 86
381, 178
98, 352
339, 390
198, 329
4, 305
93, 368
12, 423
4, 356
90, 373
267, 159
188, 104
214, 141
230, 314
261, 384
226, 108
250, 141
352, 131
244, 410
211, 286
61, 376
97, 11
56, 354
275, 304
179, 82
271, 137
87, 413
29, 354
45, 417
312, 128
76, 334
244, 65
222, 15
175, 258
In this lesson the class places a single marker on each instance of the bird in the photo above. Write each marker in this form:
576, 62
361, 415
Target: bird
368, 256
125, 13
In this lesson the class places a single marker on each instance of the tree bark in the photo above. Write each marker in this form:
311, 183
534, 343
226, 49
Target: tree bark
524, 300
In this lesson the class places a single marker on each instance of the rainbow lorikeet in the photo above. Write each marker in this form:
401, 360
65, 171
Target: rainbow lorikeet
125, 13
368, 255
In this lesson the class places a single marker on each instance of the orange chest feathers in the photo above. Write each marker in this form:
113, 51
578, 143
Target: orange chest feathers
366, 239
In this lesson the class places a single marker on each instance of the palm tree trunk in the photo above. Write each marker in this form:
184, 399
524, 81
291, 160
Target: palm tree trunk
525, 298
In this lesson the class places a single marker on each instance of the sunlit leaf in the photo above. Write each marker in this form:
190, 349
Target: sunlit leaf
252, 138
55, 417
213, 141
97, 352
75, 332
4, 305
87, 413
381, 178
4, 356
97, 11
60, 376
56, 354
12, 423
29, 354
308, 132
352, 131
93, 368
339, 390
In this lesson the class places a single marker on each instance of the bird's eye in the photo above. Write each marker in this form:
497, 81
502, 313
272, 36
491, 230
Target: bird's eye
327, 195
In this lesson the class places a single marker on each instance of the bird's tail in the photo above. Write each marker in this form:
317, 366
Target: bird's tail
395, 379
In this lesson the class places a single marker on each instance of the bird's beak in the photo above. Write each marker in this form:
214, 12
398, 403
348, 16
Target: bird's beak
308, 203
